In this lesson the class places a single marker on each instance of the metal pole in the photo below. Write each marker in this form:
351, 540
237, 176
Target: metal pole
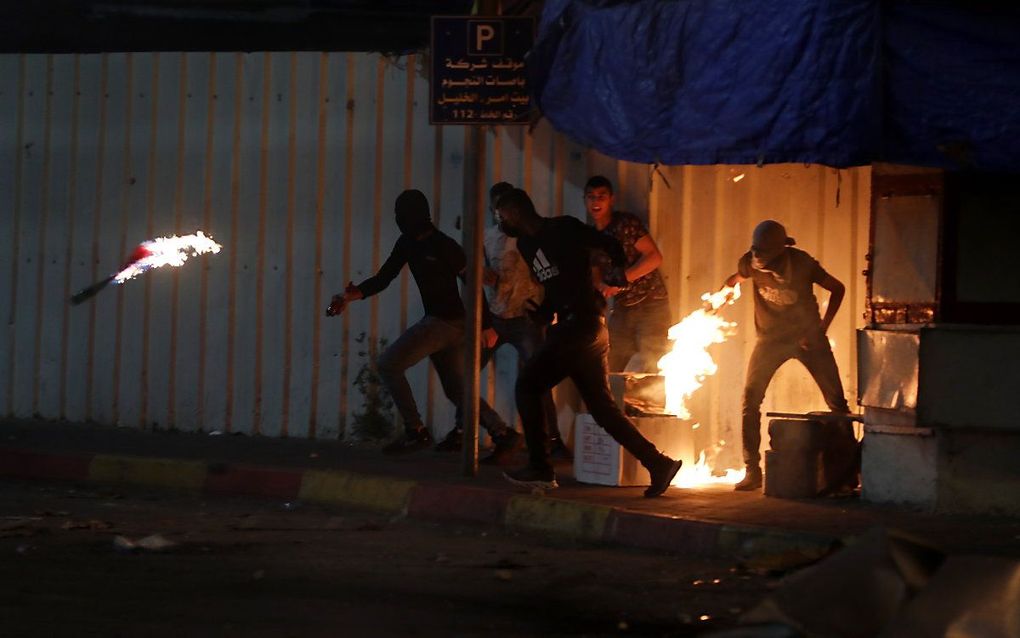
474, 220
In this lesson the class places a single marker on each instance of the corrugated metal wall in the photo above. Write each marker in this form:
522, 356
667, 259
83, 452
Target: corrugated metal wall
292, 162
702, 218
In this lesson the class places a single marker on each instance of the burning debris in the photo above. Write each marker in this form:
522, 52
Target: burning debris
154, 253
685, 368
657, 404
702, 473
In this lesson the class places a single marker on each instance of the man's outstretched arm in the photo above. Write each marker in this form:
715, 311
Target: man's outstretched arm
371, 286
387, 273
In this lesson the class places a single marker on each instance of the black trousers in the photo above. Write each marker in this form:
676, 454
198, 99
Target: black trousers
576, 348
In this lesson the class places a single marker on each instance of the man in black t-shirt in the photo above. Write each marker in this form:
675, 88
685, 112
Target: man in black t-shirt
788, 324
436, 261
576, 346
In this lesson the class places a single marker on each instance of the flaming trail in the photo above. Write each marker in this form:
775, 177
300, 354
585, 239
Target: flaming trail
154, 253
166, 251
687, 365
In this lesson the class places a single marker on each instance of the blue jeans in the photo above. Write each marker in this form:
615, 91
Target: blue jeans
639, 329
442, 341
525, 336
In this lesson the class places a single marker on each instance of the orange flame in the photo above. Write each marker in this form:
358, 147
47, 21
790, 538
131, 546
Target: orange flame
701, 474
685, 369
687, 365
167, 251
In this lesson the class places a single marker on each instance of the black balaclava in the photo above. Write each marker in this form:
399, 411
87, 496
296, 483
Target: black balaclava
412, 213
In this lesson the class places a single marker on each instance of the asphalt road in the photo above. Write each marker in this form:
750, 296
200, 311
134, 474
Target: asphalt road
240, 567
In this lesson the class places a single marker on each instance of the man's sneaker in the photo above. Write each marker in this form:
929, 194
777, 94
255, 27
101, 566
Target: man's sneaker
662, 475
558, 450
532, 478
506, 445
410, 442
453, 441
750, 482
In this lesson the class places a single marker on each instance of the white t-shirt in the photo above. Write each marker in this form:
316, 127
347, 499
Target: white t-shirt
515, 284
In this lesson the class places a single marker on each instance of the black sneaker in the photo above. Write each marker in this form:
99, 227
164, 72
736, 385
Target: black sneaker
410, 442
532, 478
506, 446
662, 475
453, 442
750, 482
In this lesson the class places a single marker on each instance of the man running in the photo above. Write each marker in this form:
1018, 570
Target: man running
577, 345
436, 261
508, 287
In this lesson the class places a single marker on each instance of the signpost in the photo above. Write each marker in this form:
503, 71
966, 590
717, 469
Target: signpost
478, 70
477, 77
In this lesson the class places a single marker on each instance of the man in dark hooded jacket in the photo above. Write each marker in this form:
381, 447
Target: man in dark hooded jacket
436, 261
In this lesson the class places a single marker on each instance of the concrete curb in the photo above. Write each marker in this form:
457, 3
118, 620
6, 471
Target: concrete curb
565, 519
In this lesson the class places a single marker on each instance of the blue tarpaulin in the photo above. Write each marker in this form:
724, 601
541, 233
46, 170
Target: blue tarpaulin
841, 83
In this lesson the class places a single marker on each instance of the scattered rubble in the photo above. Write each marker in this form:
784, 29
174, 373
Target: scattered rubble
151, 543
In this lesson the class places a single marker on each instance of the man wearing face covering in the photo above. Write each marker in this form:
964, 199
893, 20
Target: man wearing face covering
788, 324
436, 261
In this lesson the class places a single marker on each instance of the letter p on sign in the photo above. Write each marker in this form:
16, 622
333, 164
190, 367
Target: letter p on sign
485, 37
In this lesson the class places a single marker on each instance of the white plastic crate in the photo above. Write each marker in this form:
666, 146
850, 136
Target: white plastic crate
600, 460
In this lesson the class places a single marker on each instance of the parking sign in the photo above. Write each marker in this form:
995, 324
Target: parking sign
478, 74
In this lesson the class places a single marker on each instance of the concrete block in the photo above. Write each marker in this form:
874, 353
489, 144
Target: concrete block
792, 473
568, 519
378, 493
978, 472
253, 481
795, 434
174, 473
898, 465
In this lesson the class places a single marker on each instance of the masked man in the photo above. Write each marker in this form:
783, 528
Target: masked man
787, 321
436, 261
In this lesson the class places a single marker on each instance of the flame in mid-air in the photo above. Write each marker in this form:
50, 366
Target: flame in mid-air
166, 251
